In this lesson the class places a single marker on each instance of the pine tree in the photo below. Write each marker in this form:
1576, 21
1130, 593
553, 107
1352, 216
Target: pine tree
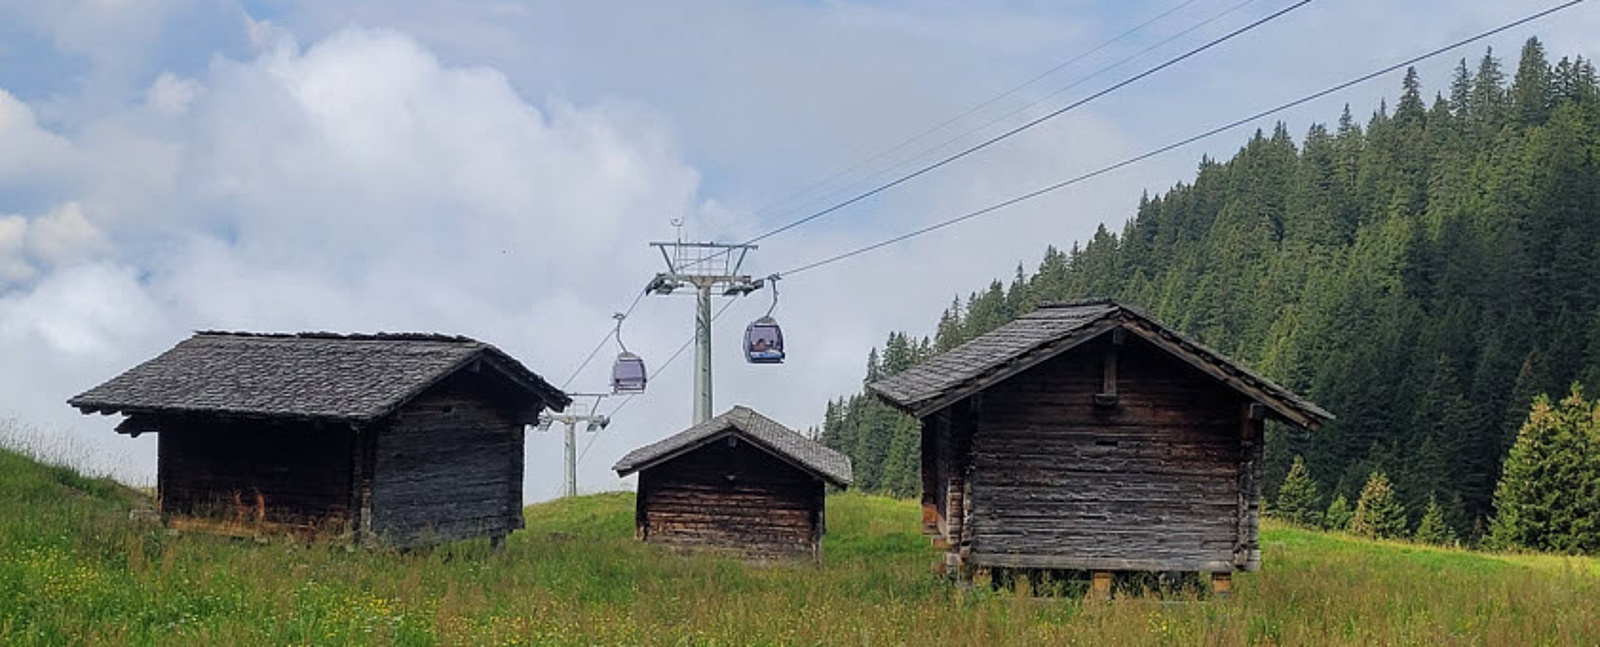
1338, 515
1549, 493
1378, 512
1460, 91
1298, 501
1432, 529
1591, 374
1530, 89
1422, 275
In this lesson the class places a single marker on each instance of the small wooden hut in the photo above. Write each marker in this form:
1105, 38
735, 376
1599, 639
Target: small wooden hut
404, 438
1087, 436
738, 481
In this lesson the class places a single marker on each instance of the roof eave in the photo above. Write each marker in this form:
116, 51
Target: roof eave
107, 409
1308, 417
1000, 373
730, 429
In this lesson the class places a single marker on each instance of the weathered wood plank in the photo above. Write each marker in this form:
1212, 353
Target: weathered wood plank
448, 466
1153, 483
735, 497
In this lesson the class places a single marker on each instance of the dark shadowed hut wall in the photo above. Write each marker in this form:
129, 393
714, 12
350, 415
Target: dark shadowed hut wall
731, 494
300, 471
449, 466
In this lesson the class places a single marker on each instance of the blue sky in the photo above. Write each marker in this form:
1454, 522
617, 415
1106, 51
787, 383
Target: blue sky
494, 168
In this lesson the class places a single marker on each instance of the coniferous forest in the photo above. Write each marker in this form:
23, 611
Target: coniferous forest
1424, 273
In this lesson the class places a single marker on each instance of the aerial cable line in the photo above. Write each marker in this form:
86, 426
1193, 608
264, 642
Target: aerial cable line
603, 341
1046, 117
1030, 124
685, 346
815, 184
1183, 142
1132, 160
963, 135
1128, 32
1005, 135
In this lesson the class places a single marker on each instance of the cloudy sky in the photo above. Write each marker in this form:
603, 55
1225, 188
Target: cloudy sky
495, 169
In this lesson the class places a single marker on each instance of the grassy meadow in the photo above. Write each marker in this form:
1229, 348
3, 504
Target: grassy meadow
75, 570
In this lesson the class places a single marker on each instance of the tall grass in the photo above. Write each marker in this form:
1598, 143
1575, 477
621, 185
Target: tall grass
75, 570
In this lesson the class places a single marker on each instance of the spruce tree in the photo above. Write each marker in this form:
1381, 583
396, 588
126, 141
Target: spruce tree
1338, 515
1298, 502
1549, 493
1432, 529
1530, 89
1379, 513
1421, 275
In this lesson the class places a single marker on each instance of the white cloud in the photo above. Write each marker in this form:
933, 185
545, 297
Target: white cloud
80, 311
361, 184
13, 239
60, 237
169, 96
28, 152
64, 235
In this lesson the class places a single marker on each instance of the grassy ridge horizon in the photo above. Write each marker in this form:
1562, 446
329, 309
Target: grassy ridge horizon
75, 570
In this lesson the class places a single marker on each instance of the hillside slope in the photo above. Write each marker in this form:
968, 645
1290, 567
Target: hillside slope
73, 569
1422, 274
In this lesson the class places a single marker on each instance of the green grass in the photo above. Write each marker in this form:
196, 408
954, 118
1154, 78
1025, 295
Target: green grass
75, 570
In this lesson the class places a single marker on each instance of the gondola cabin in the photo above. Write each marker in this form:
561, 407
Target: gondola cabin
738, 482
763, 341
1089, 437
401, 438
628, 374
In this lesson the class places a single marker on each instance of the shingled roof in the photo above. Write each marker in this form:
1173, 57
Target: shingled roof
759, 430
1055, 328
316, 376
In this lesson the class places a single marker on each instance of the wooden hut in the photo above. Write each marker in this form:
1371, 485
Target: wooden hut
738, 481
1087, 436
404, 438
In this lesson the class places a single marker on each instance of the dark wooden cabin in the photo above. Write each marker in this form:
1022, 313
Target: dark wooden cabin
737, 481
403, 438
1089, 437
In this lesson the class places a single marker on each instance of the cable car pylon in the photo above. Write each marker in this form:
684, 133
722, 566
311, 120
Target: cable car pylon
708, 268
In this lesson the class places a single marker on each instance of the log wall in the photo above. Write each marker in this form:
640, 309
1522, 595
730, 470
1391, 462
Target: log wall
214, 467
1153, 477
449, 466
732, 496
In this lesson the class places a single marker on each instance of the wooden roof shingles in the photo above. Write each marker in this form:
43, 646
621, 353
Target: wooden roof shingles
354, 379
780, 441
1055, 328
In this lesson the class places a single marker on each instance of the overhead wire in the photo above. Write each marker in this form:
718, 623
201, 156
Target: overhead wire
1124, 34
603, 341
1183, 142
1031, 123
992, 140
1097, 172
681, 348
968, 132
1080, 81
810, 186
